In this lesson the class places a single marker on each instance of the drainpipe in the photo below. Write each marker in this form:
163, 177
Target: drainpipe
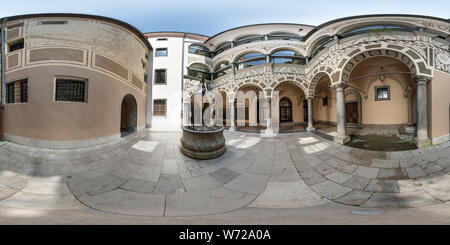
2, 106
182, 81
149, 88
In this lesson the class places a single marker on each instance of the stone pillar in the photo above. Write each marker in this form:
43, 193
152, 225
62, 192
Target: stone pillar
268, 115
310, 115
422, 139
341, 137
232, 122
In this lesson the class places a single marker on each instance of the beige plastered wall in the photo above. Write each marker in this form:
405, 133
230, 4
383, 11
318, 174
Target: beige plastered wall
43, 118
440, 106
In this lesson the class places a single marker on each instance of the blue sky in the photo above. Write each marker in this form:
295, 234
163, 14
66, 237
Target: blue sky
212, 16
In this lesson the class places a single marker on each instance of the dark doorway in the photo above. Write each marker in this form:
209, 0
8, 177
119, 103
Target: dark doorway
305, 110
285, 110
128, 118
351, 112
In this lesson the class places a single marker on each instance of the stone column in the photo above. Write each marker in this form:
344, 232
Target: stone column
422, 139
268, 115
341, 137
310, 115
232, 122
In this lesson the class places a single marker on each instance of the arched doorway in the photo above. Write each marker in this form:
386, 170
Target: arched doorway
128, 118
285, 110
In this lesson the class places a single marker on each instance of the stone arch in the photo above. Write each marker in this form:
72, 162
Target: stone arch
199, 63
253, 50
356, 98
318, 74
247, 83
284, 80
219, 62
291, 48
414, 61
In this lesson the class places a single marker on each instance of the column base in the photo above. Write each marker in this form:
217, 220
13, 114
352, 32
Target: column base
268, 133
310, 129
422, 143
232, 128
341, 139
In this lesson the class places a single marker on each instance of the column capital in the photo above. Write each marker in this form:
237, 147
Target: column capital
311, 97
339, 85
421, 80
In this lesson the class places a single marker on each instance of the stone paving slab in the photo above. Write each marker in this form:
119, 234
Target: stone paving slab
415, 172
203, 182
169, 184
381, 163
138, 185
366, 172
293, 194
355, 198
382, 186
248, 183
400, 200
338, 177
392, 173
309, 174
357, 182
6, 191
127, 202
330, 190
41, 187
218, 200
38, 201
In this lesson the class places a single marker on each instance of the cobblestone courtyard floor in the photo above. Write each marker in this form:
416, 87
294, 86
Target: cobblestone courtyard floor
296, 178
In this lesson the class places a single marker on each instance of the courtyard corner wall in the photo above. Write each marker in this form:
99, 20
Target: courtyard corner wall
109, 55
440, 107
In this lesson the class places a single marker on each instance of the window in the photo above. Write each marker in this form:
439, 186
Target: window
199, 70
248, 39
222, 47
161, 52
200, 50
70, 90
325, 101
250, 59
159, 107
284, 36
16, 45
15, 26
53, 22
221, 69
17, 92
382, 93
160, 76
287, 57
145, 78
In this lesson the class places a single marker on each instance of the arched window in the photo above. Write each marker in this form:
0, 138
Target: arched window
222, 47
199, 70
320, 45
376, 29
248, 39
285, 110
287, 57
221, 69
199, 49
250, 59
284, 36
